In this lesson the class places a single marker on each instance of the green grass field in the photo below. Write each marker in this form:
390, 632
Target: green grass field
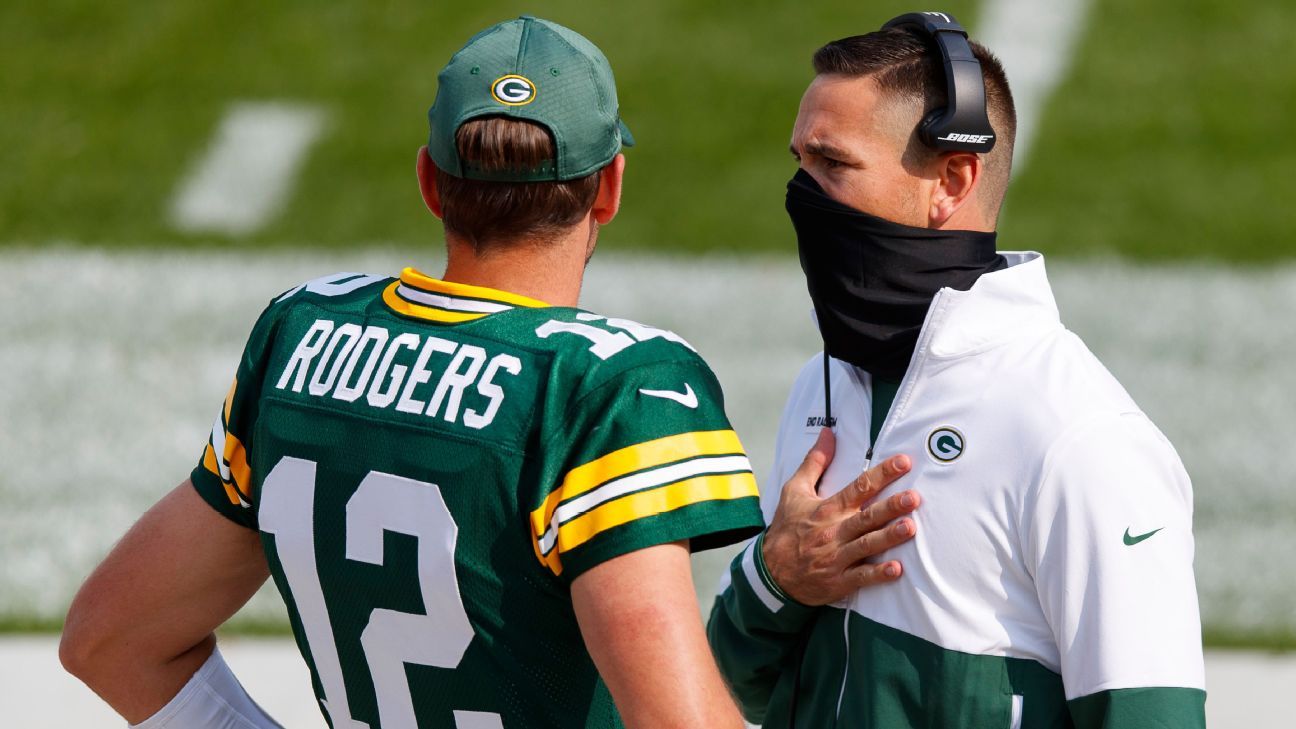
1168, 140
1167, 143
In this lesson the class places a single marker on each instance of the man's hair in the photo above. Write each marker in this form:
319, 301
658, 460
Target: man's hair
908, 66
488, 213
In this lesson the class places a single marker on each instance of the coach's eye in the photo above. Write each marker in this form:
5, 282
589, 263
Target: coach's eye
831, 163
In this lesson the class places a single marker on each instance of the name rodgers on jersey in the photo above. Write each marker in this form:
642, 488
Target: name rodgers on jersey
347, 361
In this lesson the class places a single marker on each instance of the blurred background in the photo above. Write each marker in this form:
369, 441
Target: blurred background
170, 167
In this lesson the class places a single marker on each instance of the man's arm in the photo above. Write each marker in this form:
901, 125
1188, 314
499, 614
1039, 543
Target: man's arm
1109, 539
641, 480
819, 547
638, 614
141, 625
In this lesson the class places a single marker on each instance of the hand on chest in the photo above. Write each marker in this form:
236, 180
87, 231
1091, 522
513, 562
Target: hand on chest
966, 465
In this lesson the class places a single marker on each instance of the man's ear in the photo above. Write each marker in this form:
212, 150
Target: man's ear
426, 170
608, 201
957, 177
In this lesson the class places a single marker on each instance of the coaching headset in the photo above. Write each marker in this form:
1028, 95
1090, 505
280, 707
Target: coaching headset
962, 125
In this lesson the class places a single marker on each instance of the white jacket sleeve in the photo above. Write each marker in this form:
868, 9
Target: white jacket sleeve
1109, 538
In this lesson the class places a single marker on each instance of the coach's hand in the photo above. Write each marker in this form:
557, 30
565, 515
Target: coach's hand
815, 548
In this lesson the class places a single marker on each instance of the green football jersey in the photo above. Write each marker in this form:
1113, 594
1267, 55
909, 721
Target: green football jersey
431, 464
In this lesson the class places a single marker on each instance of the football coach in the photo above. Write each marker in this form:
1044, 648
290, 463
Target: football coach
1050, 580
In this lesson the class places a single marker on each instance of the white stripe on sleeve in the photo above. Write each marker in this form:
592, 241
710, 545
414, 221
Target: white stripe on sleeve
766, 597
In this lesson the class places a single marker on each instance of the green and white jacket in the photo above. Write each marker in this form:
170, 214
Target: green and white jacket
1051, 580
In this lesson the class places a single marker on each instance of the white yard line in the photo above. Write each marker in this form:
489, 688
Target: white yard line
246, 174
1244, 689
1036, 41
245, 177
114, 364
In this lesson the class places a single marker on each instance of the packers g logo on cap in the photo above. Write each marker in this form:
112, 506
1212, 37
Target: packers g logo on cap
945, 444
513, 90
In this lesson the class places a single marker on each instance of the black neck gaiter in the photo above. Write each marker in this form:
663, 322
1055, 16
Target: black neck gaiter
872, 280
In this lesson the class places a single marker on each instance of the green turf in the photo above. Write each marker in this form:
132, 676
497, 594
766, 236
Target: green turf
1277, 642
1169, 139
1172, 137
238, 626
107, 105
29, 626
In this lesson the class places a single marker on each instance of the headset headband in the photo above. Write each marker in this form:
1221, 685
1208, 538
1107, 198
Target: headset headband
963, 124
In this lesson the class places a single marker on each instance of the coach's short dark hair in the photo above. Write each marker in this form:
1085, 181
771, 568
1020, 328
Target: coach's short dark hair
486, 213
908, 65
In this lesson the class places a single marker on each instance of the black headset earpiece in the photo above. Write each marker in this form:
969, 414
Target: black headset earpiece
963, 124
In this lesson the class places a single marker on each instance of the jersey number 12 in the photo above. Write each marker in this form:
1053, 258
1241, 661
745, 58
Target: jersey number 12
391, 639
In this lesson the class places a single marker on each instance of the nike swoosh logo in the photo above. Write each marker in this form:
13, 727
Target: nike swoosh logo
1131, 541
687, 398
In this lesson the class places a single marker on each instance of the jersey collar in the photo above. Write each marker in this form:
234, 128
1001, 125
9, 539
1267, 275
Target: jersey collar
419, 295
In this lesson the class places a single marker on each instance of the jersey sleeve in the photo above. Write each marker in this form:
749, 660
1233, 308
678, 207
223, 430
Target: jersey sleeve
1110, 541
651, 459
223, 477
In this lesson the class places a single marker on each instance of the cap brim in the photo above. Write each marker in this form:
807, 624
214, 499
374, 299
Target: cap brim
627, 139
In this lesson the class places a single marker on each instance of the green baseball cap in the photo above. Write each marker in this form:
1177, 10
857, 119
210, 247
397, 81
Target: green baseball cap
536, 70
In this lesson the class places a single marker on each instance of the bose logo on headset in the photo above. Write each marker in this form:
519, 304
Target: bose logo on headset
965, 109
973, 138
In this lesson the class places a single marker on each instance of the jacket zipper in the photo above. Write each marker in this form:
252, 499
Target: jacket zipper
906, 383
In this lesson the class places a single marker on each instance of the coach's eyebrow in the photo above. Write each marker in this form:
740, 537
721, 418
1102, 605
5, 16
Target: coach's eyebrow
824, 149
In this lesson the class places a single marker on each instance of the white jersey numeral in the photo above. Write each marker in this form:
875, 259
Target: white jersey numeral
607, 343
382, 503
604, 343
337, 284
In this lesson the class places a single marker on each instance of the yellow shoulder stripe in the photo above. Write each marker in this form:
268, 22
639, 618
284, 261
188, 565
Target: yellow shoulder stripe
401, 306
209, 460
630, 459
209, 463
644, 504
236, 457
229, 399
